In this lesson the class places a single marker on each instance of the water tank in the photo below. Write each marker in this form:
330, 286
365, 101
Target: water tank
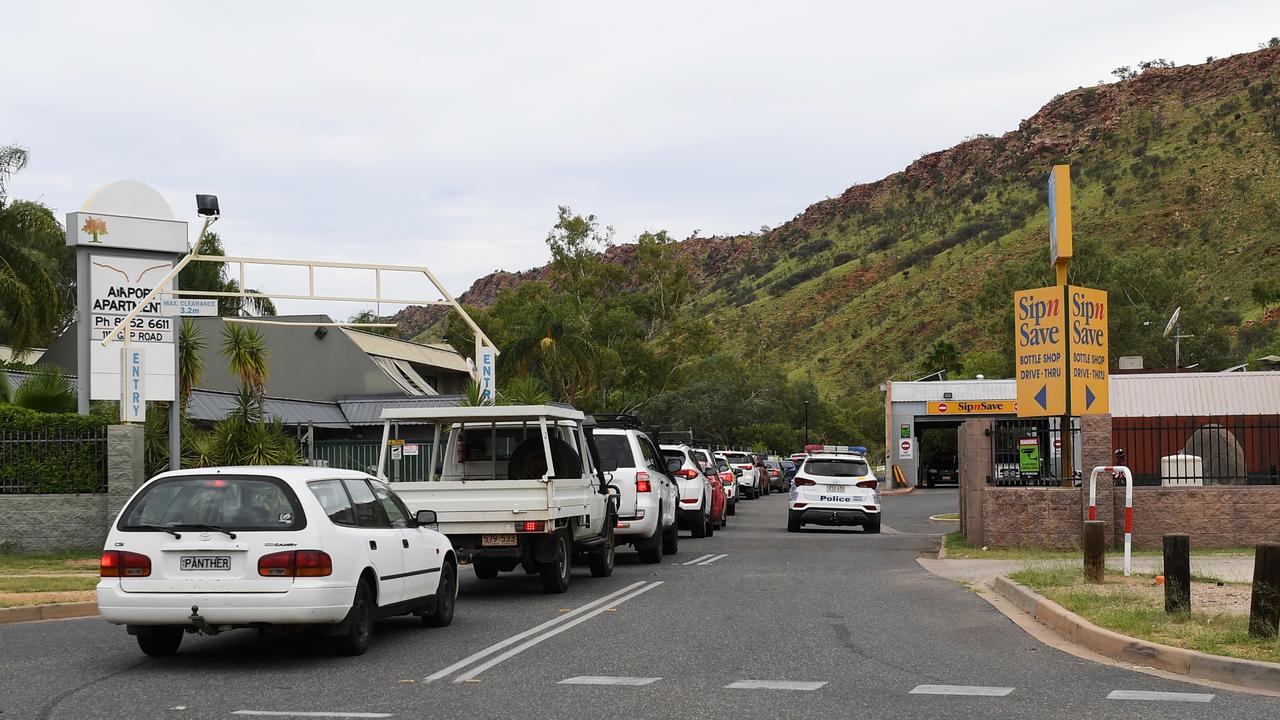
1181, 470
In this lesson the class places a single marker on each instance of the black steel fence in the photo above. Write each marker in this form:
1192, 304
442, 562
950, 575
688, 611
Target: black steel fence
1202, 450
1027, 452
52, 461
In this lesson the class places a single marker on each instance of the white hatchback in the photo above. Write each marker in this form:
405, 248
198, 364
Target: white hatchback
215, 549
834, 489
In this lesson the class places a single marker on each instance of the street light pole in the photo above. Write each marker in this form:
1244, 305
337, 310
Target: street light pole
806, 423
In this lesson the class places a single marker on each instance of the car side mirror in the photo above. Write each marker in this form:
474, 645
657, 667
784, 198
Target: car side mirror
426, 518
737, 472
674, 464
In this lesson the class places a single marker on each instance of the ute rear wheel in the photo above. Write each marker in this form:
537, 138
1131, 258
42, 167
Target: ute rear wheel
555, 574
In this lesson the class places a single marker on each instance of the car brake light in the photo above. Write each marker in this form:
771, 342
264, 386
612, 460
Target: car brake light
531, 526
642, 482
805, 481
296, 563
868, 484
121, 563
687, 474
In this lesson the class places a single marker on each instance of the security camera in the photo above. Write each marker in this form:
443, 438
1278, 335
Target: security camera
207, 205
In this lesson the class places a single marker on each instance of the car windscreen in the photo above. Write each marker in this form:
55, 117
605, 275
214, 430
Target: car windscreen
788, 465
614, 451
836, 468
219, 502
738, 458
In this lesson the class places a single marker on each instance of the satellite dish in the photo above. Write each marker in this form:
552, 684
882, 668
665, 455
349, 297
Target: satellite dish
1172, 321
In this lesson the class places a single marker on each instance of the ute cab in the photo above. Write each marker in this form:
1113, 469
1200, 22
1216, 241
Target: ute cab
834, 489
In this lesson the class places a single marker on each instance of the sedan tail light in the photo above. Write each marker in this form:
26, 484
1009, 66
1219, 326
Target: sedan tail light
642, 482
868, 484
296, 563
121, 563
800, 481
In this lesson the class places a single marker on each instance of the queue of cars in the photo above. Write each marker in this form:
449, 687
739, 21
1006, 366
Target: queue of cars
521, 487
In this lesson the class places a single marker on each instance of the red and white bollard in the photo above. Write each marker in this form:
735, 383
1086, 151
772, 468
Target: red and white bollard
1128, 505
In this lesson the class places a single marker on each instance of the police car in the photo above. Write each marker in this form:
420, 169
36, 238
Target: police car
834, 488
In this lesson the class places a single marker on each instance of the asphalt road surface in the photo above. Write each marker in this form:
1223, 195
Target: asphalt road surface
752, 623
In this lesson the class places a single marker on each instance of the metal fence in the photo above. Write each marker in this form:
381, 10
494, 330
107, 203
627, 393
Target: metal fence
44, 462
1203, 450
1027, 452
362, 455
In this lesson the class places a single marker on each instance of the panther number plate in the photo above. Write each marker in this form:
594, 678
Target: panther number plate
205, 562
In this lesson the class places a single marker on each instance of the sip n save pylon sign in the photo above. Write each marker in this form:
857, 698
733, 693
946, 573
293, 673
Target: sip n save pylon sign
1060, 336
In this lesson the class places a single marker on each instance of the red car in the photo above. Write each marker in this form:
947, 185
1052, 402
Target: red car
719, 478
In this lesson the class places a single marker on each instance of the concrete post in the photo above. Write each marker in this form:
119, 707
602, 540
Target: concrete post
126, 465
1095, 551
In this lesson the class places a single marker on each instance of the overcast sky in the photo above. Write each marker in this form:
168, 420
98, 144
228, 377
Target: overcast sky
421, 133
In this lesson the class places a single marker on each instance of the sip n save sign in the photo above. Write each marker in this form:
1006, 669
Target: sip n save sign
1060, 335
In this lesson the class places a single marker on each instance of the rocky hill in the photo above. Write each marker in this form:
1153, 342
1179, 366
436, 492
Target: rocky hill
1176, 203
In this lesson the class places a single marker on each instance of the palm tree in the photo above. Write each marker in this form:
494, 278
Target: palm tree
191, 348
32, 248
525, 390
247, 353
213, 277
47, 390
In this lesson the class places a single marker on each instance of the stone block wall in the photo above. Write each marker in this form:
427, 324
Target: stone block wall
1041, 517
1214, 517
57, 523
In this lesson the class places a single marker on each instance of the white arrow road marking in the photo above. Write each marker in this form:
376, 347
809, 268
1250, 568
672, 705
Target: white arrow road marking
532, 631
774, 685
1160, 696
608, 680
475, 671
697, 560
718, 557
979, 690
300, 714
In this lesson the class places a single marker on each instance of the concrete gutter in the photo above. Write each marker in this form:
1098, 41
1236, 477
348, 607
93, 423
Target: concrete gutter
1234, 671
57, 611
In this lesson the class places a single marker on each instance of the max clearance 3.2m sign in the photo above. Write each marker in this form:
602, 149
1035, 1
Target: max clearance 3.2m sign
1060, 336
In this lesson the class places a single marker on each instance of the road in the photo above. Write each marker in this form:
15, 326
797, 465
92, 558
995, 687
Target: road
752, 623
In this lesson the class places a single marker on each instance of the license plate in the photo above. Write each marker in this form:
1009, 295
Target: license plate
205, 562
497, 540
835, 488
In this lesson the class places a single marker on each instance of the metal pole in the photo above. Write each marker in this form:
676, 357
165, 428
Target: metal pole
175, 407
806, 423
1177, 346
84, 317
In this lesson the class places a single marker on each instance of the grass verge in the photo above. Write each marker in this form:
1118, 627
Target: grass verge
69, 562
43, 584
1119, 606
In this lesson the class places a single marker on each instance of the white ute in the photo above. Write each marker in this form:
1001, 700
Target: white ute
517, 486
215, 549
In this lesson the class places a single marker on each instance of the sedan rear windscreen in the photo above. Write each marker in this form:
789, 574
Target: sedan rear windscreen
836, 468
219, 502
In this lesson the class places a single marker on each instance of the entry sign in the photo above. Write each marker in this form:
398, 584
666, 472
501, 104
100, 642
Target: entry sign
906, 449
1088, 343
133, 393
1040, 338
488, 374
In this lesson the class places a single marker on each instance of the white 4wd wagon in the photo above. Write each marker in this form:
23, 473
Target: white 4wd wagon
834, 489
210, 550
648, 496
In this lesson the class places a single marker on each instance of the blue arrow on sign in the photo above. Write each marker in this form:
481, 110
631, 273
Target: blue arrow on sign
1042, 396
1089, 397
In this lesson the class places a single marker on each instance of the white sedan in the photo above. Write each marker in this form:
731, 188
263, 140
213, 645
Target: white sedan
215, 549
834, 489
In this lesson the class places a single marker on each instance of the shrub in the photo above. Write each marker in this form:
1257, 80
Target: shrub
51, 452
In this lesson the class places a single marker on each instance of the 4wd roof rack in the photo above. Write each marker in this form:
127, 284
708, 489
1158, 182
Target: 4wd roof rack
616, 421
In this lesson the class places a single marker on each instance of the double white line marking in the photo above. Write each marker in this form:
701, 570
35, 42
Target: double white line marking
706, 559
537, 635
